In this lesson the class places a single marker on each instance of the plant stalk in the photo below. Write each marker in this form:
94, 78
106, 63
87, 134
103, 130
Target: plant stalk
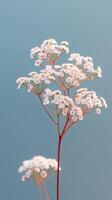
58, 170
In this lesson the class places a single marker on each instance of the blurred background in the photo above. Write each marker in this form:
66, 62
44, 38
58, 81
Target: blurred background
25, 129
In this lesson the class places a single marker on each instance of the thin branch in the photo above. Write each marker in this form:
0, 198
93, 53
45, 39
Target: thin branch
60, 137
46, 192
63, 131
70, 126
47, 110
77, 121
61, 87
58, 170
58, 125
40, 193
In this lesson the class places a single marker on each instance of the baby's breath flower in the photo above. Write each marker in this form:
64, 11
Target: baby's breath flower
88, 101
38, 168
78, 72
66, 76
84, 67
49, 51
36, 82
64, 104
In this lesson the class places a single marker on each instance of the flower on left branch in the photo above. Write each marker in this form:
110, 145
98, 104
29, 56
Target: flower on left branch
36, 82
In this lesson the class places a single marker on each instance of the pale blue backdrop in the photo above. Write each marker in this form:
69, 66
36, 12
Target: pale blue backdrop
25, 130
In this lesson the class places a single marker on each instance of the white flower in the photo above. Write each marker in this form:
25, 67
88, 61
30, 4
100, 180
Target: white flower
38, 167
82, 90
67, 76
43, 174
98, 111
103, 102
38, 62
98, 72
57, 66
64, 43
46, 101
34, 51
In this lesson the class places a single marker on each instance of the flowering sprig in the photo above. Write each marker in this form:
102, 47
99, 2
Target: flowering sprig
49, 51
39, 169
65, 99
89, 101
64, 105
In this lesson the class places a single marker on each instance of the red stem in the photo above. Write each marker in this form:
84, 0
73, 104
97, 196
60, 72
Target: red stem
60, 137
58, 171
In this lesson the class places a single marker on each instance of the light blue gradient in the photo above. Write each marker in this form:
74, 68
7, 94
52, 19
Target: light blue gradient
25, 129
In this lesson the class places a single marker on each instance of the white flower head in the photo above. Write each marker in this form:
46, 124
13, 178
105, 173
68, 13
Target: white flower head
89, 101
65, 102
38, 168
49, 51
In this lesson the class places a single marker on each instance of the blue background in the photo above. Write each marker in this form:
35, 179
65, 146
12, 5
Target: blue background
25, 129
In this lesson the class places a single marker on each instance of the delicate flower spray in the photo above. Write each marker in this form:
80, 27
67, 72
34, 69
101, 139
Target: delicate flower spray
67, 104
39, 169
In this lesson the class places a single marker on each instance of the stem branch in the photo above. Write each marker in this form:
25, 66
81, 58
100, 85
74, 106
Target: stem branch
46, 192
47, 110
58, 170
60, 137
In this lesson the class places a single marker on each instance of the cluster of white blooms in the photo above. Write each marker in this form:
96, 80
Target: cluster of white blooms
36, 81
88, 101
86, 65
38, 168
50, 50
74, 74
64, 104
66, 76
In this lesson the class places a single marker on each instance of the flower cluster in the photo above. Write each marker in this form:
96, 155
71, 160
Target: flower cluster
66, 76
36, 82
38, 168
86, 64
49, 51
72, 75
88, 101
63, 104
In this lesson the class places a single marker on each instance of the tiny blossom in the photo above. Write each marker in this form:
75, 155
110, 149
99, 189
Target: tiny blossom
64, 43
34, 51
88, 101
57, 66
38, 62
64, 104
38, 168
98, 111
